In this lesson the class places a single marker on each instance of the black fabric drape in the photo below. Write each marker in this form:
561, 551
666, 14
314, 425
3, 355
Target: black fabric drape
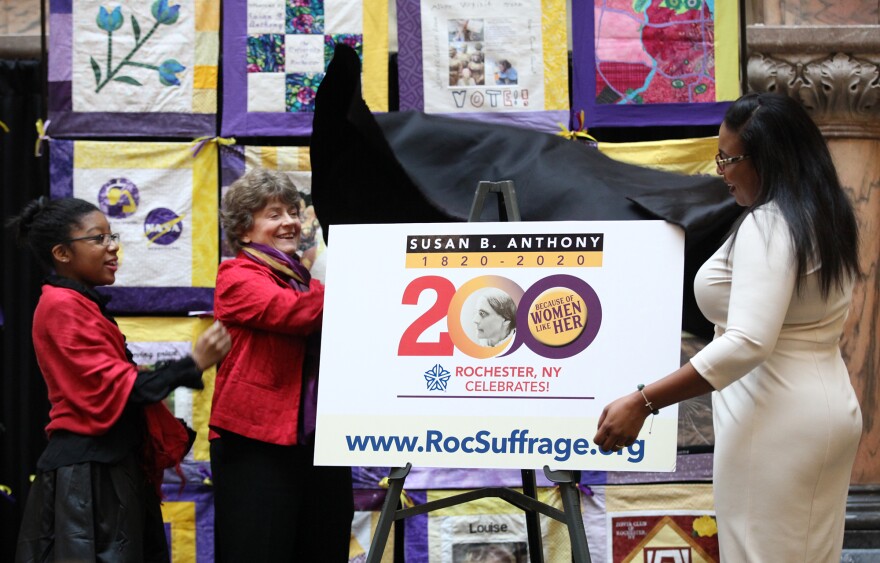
409, 167
23, 405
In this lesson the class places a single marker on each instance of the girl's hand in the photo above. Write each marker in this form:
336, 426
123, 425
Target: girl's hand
211, 346
621, 422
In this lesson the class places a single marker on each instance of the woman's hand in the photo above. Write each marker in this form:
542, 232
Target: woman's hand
621, 422
211, 346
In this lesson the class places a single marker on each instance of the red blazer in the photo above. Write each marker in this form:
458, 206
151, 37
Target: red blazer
257, 391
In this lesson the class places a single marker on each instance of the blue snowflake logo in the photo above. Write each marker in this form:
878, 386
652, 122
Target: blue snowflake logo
437, 377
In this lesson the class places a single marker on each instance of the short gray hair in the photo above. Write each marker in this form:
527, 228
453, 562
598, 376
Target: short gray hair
248, 195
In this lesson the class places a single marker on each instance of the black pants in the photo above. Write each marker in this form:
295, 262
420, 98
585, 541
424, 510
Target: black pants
272, 504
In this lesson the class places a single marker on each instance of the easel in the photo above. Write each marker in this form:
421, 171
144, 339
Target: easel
508, 210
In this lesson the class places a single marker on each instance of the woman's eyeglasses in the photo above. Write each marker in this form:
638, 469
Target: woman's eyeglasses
104, 239
722, 162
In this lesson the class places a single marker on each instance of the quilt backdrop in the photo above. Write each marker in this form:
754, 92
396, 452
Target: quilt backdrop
662, 522
654, 62
493, 60
275, 53
163, 201
490, 529
156, 339
188, 513
133, 68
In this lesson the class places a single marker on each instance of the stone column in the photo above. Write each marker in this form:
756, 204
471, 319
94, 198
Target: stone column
834, 70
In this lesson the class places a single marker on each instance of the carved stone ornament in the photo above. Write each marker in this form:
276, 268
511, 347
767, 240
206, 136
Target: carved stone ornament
841, 90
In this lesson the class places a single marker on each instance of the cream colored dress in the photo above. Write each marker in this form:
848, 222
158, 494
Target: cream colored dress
787, 422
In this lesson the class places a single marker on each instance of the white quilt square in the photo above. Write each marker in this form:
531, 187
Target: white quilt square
343, 16
266, 92
265, 16
304, 53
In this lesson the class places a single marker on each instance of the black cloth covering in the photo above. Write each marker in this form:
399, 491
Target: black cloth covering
24, 406
409, 167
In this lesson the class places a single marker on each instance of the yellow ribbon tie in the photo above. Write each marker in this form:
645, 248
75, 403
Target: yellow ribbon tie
574, 135
405, 500
41, 136
579, 133
4, 127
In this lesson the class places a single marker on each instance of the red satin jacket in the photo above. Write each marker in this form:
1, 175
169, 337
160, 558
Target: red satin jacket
82, 356
257, 391
89, 377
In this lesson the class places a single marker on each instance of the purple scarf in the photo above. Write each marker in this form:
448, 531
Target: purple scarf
287, 267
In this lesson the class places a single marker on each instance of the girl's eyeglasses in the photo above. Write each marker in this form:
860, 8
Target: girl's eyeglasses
104, 239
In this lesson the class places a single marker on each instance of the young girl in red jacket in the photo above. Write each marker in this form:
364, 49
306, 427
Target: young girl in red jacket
96, 493
270, 502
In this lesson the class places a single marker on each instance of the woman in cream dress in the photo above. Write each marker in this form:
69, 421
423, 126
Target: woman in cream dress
787, 422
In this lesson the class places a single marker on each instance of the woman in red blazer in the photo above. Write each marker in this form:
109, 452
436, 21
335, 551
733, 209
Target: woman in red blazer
271, 503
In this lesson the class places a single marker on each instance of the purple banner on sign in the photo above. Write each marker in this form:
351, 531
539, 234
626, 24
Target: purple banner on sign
618, 114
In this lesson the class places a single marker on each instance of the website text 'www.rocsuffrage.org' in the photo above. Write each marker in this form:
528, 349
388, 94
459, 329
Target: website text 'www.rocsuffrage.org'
484, 443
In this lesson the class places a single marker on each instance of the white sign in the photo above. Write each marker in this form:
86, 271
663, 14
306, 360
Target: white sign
496, 345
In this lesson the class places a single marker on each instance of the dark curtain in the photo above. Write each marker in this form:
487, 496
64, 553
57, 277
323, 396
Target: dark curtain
24, 408
401, 167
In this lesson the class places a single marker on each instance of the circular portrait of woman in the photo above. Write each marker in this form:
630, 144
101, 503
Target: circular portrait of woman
492, 317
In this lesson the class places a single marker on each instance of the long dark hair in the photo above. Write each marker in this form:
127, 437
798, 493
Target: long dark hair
43, 223
502, 304
796, 172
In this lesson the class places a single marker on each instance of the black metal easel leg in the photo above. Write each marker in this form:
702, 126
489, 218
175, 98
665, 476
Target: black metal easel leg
533, 522
389, 510
571, 504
